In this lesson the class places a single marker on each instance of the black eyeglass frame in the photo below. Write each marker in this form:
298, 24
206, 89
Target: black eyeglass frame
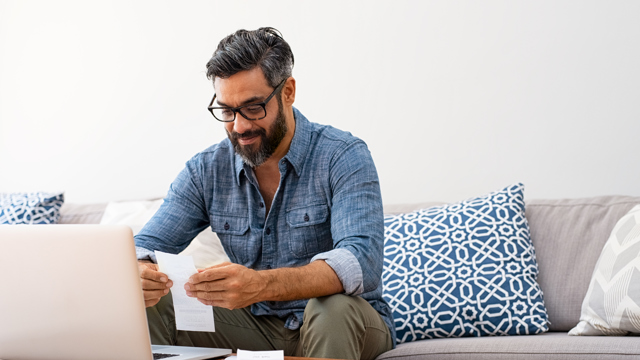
238, 109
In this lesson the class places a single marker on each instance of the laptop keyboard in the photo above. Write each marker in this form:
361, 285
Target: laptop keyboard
157, 356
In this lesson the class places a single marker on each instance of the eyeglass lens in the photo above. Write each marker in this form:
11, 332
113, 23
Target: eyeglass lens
249, 112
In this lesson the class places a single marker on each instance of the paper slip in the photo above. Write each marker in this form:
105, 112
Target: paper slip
260, 355
191, 314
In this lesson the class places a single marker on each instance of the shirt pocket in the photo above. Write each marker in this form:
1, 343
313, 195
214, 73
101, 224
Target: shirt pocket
309, 230
233, 232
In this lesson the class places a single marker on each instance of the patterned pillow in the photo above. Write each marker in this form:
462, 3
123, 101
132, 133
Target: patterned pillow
612, 303
30, 208
464, 269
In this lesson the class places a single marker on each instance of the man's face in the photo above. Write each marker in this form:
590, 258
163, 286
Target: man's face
257, 152
254, 140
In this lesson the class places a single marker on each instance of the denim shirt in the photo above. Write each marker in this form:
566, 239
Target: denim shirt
327, 207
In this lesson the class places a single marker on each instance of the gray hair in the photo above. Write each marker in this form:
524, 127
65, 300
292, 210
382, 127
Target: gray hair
244, 50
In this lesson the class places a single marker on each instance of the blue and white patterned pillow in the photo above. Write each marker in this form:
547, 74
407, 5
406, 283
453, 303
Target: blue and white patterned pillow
30, 208
464, 269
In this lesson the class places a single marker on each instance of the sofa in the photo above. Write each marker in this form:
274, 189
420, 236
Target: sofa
568, 236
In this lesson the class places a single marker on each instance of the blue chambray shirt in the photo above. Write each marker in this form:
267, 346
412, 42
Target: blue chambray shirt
327, 207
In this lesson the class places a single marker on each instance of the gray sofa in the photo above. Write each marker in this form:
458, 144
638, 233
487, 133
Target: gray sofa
568, 236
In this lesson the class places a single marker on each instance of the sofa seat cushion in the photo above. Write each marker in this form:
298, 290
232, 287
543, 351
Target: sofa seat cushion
551, 345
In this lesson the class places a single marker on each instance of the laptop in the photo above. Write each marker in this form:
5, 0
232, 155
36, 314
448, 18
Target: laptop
73, 292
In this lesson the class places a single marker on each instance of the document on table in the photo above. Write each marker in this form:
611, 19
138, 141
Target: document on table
191, 314
258, 355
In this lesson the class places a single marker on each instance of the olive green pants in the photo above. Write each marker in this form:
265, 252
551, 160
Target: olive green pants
335, 327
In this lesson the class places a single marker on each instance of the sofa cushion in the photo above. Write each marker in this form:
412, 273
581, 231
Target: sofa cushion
72, 213
464, 269
547, 346
133, 214
205, 249
612, 304
30, 208
568, 235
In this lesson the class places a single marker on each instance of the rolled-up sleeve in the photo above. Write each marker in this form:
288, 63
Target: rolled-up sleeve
347, 267
145, 254
357, 221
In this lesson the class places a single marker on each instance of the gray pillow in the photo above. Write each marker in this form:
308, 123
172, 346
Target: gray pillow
612, 303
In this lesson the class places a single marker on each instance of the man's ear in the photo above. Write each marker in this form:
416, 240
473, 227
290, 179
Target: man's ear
289, 91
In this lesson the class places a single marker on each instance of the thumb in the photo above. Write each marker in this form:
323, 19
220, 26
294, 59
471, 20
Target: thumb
215, 266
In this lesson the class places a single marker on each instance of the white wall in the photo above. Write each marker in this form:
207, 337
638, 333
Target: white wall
107, 100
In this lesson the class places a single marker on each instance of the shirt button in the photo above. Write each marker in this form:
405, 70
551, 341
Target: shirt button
306, 217
226, 226
268, 231
261, 205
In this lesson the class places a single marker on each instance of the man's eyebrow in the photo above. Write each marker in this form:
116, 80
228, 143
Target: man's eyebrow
251, 100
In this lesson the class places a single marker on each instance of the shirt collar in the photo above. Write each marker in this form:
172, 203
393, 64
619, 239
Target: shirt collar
297, 151
300, 143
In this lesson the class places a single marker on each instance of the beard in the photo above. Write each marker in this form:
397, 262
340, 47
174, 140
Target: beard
255, 157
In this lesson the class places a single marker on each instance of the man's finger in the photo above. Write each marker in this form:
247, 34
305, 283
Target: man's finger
154, 294
150, 274
151, 302
155, 285
152, 297
206, 295
217, 265
211, 303
218, 303
212, 273
147, 265
217, 285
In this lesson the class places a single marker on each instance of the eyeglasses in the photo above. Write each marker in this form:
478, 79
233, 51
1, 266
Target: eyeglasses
250, 112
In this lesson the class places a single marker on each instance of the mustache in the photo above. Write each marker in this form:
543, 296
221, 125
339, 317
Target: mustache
247, 134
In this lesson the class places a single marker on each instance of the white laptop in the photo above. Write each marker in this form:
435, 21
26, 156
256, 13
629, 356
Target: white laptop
73, 292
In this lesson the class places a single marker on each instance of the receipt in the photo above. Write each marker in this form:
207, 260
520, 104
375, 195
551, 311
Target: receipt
260, 355
191, 314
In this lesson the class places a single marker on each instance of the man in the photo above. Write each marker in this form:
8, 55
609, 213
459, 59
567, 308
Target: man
298, 210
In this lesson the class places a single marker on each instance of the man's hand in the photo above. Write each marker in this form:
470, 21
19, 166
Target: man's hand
234, 286
154, 283
227, 285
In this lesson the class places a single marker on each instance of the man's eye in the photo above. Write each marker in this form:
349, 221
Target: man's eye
254, 109
226, 112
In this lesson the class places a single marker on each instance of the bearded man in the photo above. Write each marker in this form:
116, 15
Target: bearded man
298, 210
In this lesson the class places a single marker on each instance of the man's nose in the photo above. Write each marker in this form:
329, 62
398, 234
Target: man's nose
241, 124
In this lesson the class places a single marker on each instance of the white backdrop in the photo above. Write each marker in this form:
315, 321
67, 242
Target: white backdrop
107, 100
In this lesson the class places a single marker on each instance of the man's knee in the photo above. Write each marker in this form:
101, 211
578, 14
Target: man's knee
342, 327
333, 309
